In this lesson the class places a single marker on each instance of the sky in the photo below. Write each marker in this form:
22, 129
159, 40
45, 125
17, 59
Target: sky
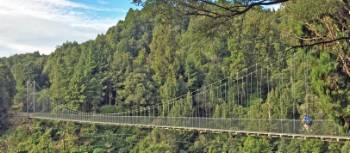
273, 7
42, 25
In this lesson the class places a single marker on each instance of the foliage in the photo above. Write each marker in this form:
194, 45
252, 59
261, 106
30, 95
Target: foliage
7, 92
155, 55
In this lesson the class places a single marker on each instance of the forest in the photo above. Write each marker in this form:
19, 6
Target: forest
166, 50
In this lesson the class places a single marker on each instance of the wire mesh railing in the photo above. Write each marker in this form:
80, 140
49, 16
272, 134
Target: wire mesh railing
319, 127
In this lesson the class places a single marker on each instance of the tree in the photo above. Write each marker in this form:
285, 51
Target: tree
255, 145
139, 89
60, 68
163, 47
214, 9
27, 67
321, 26
7, 92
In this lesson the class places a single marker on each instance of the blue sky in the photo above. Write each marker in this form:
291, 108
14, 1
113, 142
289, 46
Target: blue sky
41, 25
109, 8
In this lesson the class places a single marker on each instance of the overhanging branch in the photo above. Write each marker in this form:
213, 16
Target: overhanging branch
218, 10
325, 42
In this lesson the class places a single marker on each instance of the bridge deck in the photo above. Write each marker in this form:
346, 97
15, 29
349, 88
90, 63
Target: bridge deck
199, 124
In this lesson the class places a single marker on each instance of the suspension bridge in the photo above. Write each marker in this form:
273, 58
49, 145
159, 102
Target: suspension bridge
256, 101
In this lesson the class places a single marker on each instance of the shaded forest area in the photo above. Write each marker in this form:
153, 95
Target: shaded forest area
159, 53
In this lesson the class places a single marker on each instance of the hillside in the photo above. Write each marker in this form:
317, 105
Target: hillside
157, 53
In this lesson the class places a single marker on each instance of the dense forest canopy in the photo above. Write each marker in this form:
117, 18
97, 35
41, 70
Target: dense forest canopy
172, 48
7, 91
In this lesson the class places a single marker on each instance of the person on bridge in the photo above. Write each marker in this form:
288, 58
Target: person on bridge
307, 120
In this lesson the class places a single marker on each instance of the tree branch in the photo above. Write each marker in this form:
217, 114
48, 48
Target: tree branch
320, 43
235, 9
212, 8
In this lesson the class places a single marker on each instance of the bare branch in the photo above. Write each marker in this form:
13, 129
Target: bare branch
325, 42
215, 9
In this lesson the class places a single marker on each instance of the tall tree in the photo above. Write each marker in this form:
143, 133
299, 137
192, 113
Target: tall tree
7, 92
